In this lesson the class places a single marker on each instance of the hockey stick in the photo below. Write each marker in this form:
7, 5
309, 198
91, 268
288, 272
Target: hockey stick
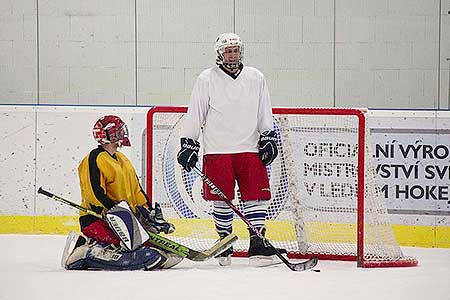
158, 240
301, 266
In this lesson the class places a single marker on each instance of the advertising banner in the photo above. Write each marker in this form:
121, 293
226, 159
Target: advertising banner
412, 154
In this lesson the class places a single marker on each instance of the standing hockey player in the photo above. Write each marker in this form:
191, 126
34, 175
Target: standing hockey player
231, 104
110, 187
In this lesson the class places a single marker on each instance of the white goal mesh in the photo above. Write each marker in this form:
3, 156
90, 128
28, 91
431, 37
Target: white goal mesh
318, 206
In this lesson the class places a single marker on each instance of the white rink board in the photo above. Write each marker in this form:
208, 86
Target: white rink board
17, 160
58, 137
44, 144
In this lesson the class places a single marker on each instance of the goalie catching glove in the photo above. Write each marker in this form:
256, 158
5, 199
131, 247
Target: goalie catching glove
153, 220
268, 149
188, 155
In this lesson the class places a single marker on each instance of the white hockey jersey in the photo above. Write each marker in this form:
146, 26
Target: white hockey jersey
232, 112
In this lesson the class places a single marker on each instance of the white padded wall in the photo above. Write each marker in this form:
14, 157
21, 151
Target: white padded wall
291, 42
445, 56
387, 53
87, 52
313, 52
18, 54
175, 43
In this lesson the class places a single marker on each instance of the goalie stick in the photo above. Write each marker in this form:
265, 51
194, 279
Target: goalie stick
300, 266
158, 240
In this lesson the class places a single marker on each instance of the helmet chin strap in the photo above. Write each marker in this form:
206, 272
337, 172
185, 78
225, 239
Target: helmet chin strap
231, 66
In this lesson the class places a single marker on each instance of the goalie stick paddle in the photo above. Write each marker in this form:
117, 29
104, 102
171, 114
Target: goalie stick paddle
158, 240
300, 266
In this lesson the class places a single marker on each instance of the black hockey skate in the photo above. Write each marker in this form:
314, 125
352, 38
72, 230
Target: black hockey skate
261, 255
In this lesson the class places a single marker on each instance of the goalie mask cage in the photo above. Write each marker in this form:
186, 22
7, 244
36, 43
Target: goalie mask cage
325, 199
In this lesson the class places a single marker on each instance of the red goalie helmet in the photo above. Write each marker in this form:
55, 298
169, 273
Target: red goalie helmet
111, 129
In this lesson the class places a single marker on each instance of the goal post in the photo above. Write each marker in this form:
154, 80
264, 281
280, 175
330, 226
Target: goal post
325, 198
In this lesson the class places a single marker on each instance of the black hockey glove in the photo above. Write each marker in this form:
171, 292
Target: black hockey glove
188, 155
153, 220
267, 144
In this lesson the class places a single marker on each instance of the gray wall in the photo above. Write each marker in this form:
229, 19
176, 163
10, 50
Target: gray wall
364, 53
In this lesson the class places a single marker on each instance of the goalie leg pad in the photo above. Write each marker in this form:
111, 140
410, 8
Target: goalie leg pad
107, 258
82, 253
171, 259
74, 252
123, 222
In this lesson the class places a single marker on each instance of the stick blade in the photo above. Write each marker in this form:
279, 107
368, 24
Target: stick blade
215, 250
305, 265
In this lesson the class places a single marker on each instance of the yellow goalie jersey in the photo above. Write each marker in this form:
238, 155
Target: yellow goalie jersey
106, 180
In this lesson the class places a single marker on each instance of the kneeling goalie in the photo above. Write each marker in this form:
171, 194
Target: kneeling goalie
110, 187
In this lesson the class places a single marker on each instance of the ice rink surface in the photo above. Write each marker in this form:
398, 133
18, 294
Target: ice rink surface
30, 269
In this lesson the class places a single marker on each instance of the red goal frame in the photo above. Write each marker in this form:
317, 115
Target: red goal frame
360, 115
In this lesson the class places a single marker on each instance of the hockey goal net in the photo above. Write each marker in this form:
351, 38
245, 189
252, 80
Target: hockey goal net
325, 199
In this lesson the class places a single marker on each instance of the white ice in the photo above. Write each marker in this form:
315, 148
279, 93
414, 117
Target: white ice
29, 269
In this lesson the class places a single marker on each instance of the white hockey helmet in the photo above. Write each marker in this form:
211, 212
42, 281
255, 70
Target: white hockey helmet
225, 40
